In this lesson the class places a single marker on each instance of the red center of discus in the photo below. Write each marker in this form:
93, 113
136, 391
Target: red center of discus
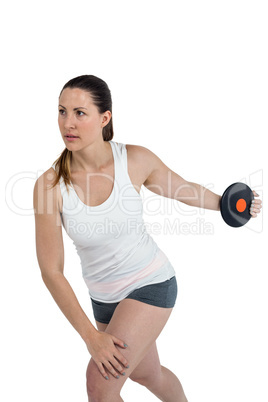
241, 205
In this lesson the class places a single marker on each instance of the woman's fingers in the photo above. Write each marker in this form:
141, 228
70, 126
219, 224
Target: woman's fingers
103, 349
112, 367
102, 371
115, 369
119, 342
254, 211
118, 355
256, 205
120, 363
117, 365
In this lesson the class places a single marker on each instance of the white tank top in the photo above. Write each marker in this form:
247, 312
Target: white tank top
117, 254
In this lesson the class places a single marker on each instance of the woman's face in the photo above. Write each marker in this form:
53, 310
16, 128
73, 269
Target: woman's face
79, 117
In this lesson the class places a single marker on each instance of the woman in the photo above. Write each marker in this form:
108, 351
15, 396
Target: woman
93, 191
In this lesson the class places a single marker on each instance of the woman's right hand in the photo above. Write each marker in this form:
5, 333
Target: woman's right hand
106, 355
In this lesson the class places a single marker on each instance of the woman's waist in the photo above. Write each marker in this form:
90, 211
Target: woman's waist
116, 282
135, 266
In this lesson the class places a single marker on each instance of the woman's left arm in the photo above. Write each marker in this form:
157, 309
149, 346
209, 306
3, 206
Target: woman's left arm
164, 181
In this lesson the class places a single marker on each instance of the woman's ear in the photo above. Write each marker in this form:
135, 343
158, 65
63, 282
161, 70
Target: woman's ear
106, 117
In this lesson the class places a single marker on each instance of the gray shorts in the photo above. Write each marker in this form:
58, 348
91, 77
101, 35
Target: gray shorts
161, 294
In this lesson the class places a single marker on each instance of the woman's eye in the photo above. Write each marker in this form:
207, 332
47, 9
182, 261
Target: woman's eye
62, 112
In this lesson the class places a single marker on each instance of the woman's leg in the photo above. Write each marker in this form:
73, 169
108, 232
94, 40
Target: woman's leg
158, 379
138, 324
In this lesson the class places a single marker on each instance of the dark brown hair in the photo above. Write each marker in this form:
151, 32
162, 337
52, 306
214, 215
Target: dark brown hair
101, 95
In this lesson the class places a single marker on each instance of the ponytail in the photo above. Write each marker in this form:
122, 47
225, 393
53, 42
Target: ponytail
63, 168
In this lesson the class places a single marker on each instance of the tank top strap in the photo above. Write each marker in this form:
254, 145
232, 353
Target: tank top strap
120, 155
123, 153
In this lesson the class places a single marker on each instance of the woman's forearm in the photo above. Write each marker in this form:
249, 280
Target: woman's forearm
66, 299
202, 197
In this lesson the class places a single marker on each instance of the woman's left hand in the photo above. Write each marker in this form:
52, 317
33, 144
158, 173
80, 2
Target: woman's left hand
256, 206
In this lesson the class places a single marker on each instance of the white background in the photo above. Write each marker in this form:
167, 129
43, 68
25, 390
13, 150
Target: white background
188, 81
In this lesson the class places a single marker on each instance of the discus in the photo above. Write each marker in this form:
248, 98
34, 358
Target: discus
235, 204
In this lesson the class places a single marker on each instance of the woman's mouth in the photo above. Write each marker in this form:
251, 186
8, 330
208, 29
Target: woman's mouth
70, 137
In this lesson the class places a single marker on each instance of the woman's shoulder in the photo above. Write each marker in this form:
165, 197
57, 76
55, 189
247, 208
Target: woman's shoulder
138, 151
141, 160
141, 155
135, 150
44, 188
47, 178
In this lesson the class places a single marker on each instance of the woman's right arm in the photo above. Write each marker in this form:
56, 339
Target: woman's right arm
50, 256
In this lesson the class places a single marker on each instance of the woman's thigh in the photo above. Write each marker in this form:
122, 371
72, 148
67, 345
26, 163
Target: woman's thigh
138, 325
148, 368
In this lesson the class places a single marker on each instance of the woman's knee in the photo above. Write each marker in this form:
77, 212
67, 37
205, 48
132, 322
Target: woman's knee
98, 389
93, 381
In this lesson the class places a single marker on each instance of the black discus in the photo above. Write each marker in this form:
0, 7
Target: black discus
235, 204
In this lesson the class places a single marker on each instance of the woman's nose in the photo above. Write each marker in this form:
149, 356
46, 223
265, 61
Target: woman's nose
69, 122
